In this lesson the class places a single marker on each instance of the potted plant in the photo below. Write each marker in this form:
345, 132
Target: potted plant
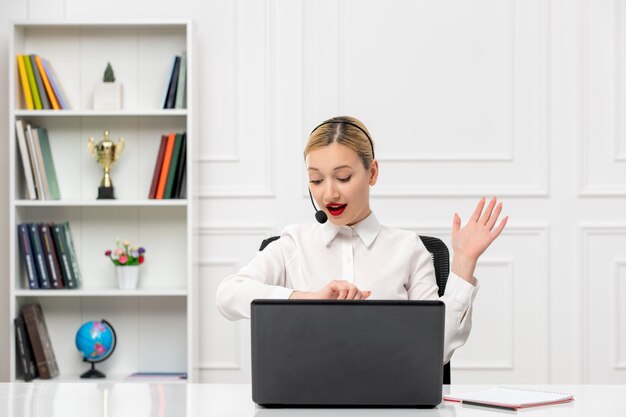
108, 94
127, 260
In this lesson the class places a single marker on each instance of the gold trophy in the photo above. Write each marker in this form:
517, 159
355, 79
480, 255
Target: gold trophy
106, 153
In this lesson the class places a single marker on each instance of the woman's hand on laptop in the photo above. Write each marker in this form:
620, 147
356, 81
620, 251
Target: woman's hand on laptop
334, 290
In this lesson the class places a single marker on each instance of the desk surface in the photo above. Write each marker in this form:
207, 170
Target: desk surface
134, 399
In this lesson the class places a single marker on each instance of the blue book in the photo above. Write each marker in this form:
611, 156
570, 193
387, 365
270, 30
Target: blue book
56, 87
27, 256
40, 260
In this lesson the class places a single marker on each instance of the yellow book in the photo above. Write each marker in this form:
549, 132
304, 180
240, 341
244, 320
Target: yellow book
28, 98
46, 83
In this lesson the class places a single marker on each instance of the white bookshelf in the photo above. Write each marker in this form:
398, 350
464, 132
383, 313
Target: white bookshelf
154, 323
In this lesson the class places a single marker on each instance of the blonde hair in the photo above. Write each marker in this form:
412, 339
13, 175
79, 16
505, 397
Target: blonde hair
347, 131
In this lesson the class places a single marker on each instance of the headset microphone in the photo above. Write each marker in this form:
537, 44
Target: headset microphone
320, 215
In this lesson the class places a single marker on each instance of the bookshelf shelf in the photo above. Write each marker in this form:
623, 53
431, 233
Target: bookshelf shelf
102, 293
102, 203
155, 323
94, 113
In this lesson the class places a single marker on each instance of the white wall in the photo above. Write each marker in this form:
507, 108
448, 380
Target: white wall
516, 98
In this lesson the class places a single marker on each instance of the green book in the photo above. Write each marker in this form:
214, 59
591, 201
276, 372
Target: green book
169, 185
48, 162
32, 82
72, 253
182, 80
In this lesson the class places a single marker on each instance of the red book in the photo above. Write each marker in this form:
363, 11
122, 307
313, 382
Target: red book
157, 168
165, 169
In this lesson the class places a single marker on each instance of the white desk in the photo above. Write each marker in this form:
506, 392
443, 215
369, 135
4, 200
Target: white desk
134, 399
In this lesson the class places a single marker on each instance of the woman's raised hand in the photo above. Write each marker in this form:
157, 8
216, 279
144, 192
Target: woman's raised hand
334, 290
470, 241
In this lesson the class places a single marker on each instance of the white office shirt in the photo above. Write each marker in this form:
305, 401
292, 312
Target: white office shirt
392, 263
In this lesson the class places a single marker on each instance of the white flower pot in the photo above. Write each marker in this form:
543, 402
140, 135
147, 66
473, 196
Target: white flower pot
127, 277
108, 96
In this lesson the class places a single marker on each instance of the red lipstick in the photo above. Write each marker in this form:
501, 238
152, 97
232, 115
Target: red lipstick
336, 209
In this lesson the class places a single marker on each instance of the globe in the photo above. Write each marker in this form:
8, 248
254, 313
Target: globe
96, 341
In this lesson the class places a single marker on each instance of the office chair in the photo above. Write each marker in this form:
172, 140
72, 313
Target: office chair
441, 261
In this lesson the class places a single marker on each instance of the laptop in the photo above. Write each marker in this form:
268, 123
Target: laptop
328, 353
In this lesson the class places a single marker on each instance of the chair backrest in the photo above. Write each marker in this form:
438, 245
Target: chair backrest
441, 260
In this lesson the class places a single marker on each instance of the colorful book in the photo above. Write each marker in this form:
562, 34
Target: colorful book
46, 84
40, 259
28, 96
32, 151
171, 91
31, 81
48, 162
61, 245
171, 174
25, 361
40, 164
181, 91
181, 168
26, 250
52, 261
157, 168
56, 87
28, 171
45, 102
40, 341
72, 252
167, 160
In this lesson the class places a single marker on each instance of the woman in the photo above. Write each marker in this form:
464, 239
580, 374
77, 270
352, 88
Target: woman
354, 257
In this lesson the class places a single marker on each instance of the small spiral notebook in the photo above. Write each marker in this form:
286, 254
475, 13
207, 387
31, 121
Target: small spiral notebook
510, 398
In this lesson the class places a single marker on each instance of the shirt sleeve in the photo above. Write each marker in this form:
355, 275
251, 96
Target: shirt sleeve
458, 298
263, 277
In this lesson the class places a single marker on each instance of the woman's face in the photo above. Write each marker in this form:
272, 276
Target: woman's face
340, 183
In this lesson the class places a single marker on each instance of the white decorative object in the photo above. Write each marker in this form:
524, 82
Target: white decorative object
108, 96
127, 277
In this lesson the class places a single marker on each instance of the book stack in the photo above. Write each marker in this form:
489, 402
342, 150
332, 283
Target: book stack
35, 356
36, 155
175, 92
40, 85
48, 255
168, 180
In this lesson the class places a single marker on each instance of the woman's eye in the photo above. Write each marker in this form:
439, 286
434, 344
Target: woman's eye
316, 182
346, 179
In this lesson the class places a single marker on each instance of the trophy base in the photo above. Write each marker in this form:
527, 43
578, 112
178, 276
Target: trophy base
106, 193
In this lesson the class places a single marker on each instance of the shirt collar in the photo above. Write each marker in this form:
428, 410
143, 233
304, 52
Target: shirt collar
367, 229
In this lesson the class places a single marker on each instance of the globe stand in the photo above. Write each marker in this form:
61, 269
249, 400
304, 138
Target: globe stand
93, 372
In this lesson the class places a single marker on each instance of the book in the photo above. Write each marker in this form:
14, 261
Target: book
60, 243
40, 164
40, 260
510, 398
167, 159
56, 87
181, 94
45, 102
56, 279
46, 83
157, 167
72, 252
28, 171
31, 82
171, 174
26, 250
181, 168
40, 340
48, 163
28, 96
30, 142
171, 90
24, 350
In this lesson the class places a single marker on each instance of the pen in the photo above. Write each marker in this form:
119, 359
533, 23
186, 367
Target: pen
500, 407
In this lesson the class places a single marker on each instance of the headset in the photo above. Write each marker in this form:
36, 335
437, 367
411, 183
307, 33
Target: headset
320, 215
